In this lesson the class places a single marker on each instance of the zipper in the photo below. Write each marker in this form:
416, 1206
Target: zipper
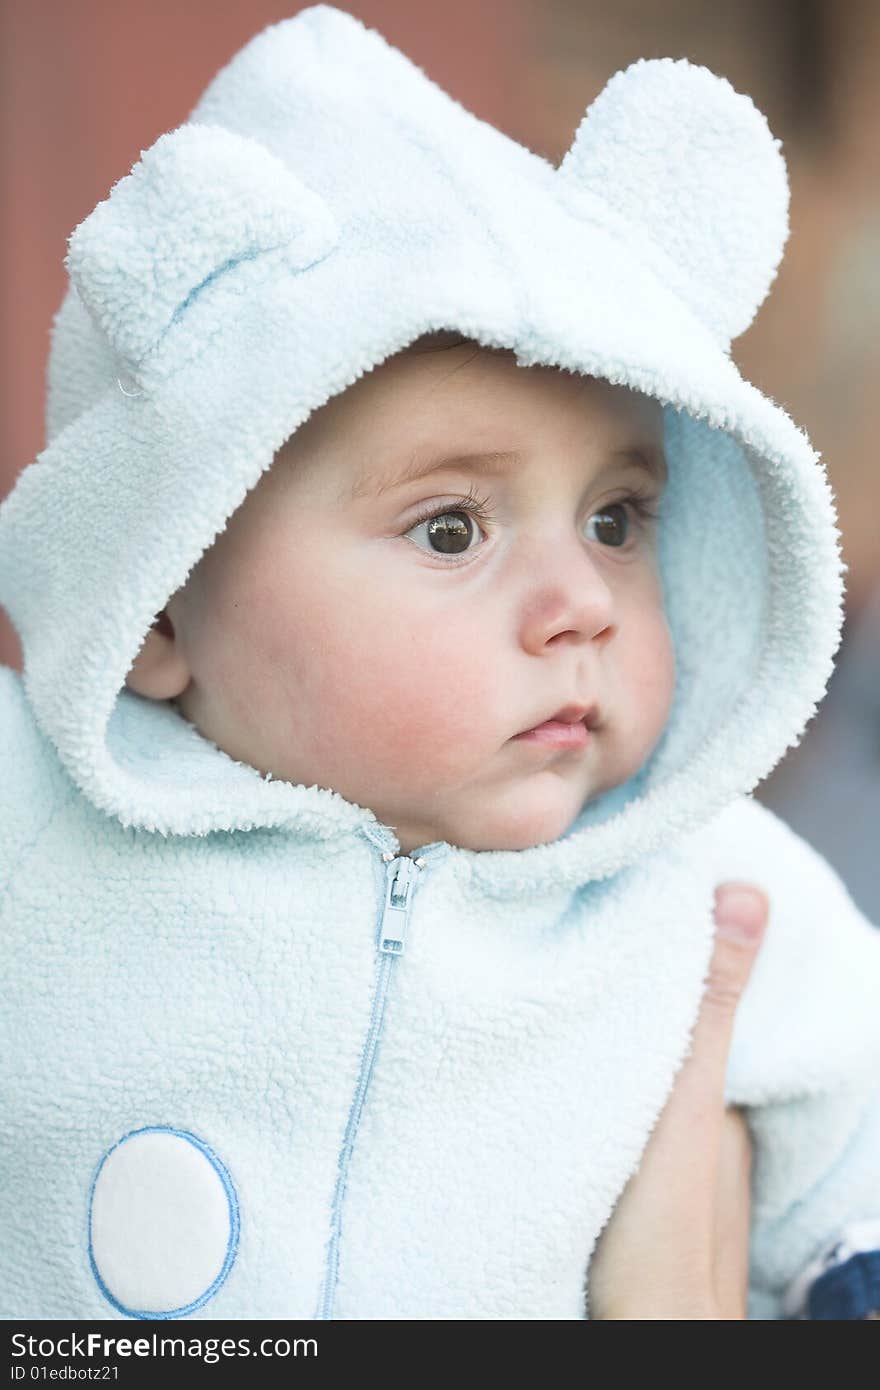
401, 875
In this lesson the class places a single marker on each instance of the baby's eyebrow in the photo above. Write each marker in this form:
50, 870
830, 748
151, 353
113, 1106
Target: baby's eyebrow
481, 464
648, 457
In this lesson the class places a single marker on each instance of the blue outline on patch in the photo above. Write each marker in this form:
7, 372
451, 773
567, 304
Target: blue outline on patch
234, 1223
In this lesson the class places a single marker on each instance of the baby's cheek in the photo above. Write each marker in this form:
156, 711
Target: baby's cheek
423, 699
437, 686
652, 677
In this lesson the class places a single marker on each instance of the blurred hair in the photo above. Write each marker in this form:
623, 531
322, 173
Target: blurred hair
439, 341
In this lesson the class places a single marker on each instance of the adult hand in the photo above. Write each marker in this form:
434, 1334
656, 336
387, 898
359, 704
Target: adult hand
676, 1246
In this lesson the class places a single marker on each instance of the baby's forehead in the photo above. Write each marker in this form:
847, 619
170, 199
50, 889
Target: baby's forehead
482, 372
449, 398
446, 401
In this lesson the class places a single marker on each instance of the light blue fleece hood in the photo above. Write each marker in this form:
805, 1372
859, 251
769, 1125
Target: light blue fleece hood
324, 205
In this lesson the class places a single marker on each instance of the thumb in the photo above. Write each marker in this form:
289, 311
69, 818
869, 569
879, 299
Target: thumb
741, 912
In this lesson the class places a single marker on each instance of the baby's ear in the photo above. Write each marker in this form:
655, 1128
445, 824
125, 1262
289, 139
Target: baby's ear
160, 670
691, 166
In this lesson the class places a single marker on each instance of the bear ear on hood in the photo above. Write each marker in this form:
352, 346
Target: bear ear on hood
198, 201
692, 167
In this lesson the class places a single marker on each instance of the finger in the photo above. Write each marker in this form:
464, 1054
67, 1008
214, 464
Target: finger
732, 1215
665, 1220
696, 1105
741, 912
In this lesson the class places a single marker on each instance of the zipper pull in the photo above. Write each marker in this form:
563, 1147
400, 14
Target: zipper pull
402, 874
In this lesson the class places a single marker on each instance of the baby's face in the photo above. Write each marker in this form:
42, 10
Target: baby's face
334, 636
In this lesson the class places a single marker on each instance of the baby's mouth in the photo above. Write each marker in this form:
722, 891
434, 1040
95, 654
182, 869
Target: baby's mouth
588, 715
571, 727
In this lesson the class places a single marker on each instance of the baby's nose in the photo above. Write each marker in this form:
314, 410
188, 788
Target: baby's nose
565, 598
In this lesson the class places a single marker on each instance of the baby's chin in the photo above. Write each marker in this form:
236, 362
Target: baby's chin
521, 823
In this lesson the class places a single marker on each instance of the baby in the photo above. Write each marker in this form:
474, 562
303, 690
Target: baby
412, 593
503, 523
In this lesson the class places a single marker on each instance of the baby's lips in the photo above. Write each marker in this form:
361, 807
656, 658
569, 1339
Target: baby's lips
570, 714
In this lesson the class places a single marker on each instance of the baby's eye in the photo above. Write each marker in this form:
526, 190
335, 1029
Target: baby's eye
449, 532
610, 526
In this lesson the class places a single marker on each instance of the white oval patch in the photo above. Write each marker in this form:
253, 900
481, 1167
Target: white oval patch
163, 1223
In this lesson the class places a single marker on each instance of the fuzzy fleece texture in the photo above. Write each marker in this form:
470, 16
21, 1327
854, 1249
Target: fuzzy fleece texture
228, 1089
